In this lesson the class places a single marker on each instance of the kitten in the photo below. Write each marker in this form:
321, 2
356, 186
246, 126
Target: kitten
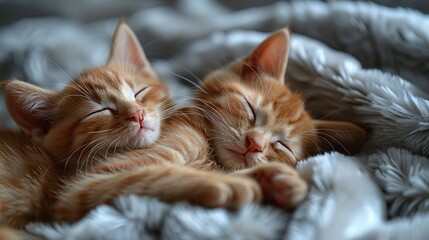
245, 122
252, 121
253, 118
109, 109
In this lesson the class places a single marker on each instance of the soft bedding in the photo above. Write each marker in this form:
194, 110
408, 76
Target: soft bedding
354, 61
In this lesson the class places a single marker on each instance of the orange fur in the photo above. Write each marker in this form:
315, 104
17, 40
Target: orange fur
86, 147
27, 178
118, 107
275, 118
10, 234
221, 135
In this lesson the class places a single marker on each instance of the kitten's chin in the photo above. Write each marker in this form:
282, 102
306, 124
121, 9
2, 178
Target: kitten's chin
146, 137
143, 137
231, 159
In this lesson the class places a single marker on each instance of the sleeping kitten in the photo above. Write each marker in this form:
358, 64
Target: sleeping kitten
110, 109
253, 118
246, 122
73, 141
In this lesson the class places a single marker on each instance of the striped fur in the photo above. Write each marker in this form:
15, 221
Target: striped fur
244, 100
245, 123
111, 109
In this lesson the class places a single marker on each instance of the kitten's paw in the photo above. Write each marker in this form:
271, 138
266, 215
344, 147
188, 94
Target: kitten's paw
230, 192
280, 184
242, 191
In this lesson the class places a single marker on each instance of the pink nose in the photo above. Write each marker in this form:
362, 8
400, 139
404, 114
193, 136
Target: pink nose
136, 116
253, 145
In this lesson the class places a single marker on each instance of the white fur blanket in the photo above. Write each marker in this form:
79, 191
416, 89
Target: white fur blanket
383, 193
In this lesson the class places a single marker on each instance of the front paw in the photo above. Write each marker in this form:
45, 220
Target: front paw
226, 191
281, 184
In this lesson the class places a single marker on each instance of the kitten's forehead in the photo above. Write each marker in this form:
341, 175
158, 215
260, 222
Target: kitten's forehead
127, 92
102, 82
98, 79
276, 104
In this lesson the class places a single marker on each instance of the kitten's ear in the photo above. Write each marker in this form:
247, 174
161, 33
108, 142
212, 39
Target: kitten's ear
344, 137
30, 106
126, 49
271, 56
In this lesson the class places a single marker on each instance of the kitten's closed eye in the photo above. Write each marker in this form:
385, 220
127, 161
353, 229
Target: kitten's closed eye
284, 146
103, 111
250, 111
140, 94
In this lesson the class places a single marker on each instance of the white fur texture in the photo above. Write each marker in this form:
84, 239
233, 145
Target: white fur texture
334, 85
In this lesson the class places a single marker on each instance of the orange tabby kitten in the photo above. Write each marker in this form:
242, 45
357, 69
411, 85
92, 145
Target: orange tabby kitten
246, 122
67, 155
112, 108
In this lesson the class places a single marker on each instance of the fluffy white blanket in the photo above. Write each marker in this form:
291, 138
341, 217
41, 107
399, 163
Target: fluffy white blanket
383, 193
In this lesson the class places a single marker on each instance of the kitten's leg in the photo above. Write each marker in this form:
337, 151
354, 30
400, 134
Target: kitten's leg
25, 199
280, 183
168, 183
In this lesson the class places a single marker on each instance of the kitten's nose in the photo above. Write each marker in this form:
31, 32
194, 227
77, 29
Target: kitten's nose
136, 116
253, 145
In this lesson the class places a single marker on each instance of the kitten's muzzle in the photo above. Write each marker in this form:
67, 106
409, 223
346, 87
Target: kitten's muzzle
137, 116
253, 145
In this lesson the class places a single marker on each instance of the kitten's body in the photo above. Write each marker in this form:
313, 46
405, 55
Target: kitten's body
245, 118
72, 141
246, 122
28, 176
104, 111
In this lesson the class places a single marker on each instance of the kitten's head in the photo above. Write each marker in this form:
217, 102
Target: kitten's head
117, 106
253, 117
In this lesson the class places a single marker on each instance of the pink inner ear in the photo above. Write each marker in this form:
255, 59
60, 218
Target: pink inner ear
271, 56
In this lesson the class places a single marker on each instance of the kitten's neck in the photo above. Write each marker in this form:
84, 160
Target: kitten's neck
85, 159
195, 118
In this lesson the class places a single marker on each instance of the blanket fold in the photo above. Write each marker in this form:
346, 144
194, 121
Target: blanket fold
354, 61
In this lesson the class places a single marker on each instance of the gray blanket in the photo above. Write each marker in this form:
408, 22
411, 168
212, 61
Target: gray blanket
377, 75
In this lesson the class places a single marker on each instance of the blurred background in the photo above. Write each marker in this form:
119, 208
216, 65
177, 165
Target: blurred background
49, 42
91, 10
